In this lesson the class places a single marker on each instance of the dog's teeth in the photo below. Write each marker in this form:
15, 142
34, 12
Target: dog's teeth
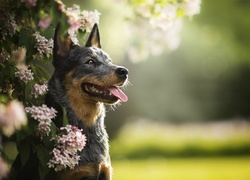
92, 88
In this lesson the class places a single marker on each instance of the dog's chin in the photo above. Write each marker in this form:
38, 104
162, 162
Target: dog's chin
99, 94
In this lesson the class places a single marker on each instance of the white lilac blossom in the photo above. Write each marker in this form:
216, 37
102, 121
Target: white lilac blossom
62, 159
43, 46
162, 21
12, 117
67, 145
25, 75
39, 90
73, 140
83, 20
191, 7
44, 116
88, 19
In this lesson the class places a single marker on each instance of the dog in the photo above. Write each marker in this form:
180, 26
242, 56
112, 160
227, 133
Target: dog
84, 81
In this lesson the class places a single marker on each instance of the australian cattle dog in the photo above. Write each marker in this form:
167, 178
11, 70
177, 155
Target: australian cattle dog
84, 81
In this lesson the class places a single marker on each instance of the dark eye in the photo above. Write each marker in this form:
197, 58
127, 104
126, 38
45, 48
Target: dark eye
90, 62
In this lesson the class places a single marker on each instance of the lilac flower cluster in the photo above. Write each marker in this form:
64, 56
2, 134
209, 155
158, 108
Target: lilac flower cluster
12, 117
162, 21
88, 19
10, 26
39, 90
83, 20
78, 19
4, 56
44, 115
43, 45
25, 75
67, 145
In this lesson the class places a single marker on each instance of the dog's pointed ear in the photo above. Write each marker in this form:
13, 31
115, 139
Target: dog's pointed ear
94, 38
62, 43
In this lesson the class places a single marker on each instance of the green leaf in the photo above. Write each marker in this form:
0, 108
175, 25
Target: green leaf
3, 98
43, 155
26, 39
82, 36
43, 71
23, 148
54, 13
27, 91
15, 94
53, 129
65, 119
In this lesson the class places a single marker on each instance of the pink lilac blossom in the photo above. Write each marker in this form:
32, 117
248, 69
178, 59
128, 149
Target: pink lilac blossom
74, 17
3, 169
43, 45
44, 23
78, 19
39, 90
44, 116
30, 3
84, 20
25, 75
67, 145
12, 117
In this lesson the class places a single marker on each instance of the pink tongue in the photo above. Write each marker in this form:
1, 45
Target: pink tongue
118, 93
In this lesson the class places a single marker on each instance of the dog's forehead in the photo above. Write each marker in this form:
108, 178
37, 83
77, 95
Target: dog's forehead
99, 52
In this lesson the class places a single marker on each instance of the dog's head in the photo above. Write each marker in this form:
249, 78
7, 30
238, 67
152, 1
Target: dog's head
87, 71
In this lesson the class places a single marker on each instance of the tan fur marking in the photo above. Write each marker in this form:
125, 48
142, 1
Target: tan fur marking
80, 172
85, 108
106, 169
89, 170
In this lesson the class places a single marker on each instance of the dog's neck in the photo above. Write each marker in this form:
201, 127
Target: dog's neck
91, 121
96, 149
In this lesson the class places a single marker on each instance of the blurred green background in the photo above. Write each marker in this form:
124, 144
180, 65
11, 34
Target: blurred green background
188, 111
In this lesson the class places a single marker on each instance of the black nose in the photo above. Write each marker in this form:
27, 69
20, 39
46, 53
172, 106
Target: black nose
122, 72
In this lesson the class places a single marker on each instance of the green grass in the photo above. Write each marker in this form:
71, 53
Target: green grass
145, 139
183, 169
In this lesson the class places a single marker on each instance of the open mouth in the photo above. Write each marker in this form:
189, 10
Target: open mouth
109, 93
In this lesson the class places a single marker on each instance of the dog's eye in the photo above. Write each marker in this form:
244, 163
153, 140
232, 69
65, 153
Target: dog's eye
90, 62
